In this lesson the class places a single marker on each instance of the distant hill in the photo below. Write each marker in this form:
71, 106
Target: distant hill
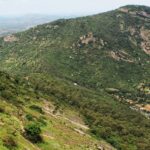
14, 24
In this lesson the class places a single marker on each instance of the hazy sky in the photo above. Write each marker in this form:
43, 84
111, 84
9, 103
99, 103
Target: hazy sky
58, 7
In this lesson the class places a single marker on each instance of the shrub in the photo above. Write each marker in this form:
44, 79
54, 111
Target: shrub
29, 117
2, 110
32, 132
41, 121
9, 142
7, 94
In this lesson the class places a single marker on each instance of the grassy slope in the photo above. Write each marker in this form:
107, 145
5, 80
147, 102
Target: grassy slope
58, 130
107, 118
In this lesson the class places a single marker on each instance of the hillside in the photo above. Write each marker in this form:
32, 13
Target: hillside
22, 106
95, 47
98, 65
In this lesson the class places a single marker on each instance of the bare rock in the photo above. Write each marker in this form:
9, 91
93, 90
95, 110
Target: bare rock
10, 38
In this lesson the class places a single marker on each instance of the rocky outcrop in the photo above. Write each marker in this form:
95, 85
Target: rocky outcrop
143, 14
10, 38
89, 38
135, 13
145, 44
121, 56
124, 10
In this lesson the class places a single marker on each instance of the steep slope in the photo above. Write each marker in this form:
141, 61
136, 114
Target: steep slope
52, 103
107, 118
90, 63
22, 106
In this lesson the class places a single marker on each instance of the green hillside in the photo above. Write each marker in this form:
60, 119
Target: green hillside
31, 119
86, 50
97, 65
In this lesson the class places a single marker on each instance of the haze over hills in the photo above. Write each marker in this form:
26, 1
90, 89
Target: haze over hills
97, 66
13, 24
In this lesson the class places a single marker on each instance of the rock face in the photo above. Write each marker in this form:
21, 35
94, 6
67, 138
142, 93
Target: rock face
146, 108
143, 14
10, 38
121, 56
145, 45
144, 33
125, 10
135, 13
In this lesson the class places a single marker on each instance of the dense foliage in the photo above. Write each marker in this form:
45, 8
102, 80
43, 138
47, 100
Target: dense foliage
32, 132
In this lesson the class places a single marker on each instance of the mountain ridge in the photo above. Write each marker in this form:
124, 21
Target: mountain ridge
53, 30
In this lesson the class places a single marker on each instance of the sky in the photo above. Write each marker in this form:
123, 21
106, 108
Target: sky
62, 7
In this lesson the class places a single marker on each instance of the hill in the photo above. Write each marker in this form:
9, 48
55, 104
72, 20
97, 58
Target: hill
97, 64
86, 50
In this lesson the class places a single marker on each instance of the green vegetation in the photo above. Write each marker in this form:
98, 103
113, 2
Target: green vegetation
90, 65
32, 132
37, 108
56, 48
10, 142
108, 119
27, 120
